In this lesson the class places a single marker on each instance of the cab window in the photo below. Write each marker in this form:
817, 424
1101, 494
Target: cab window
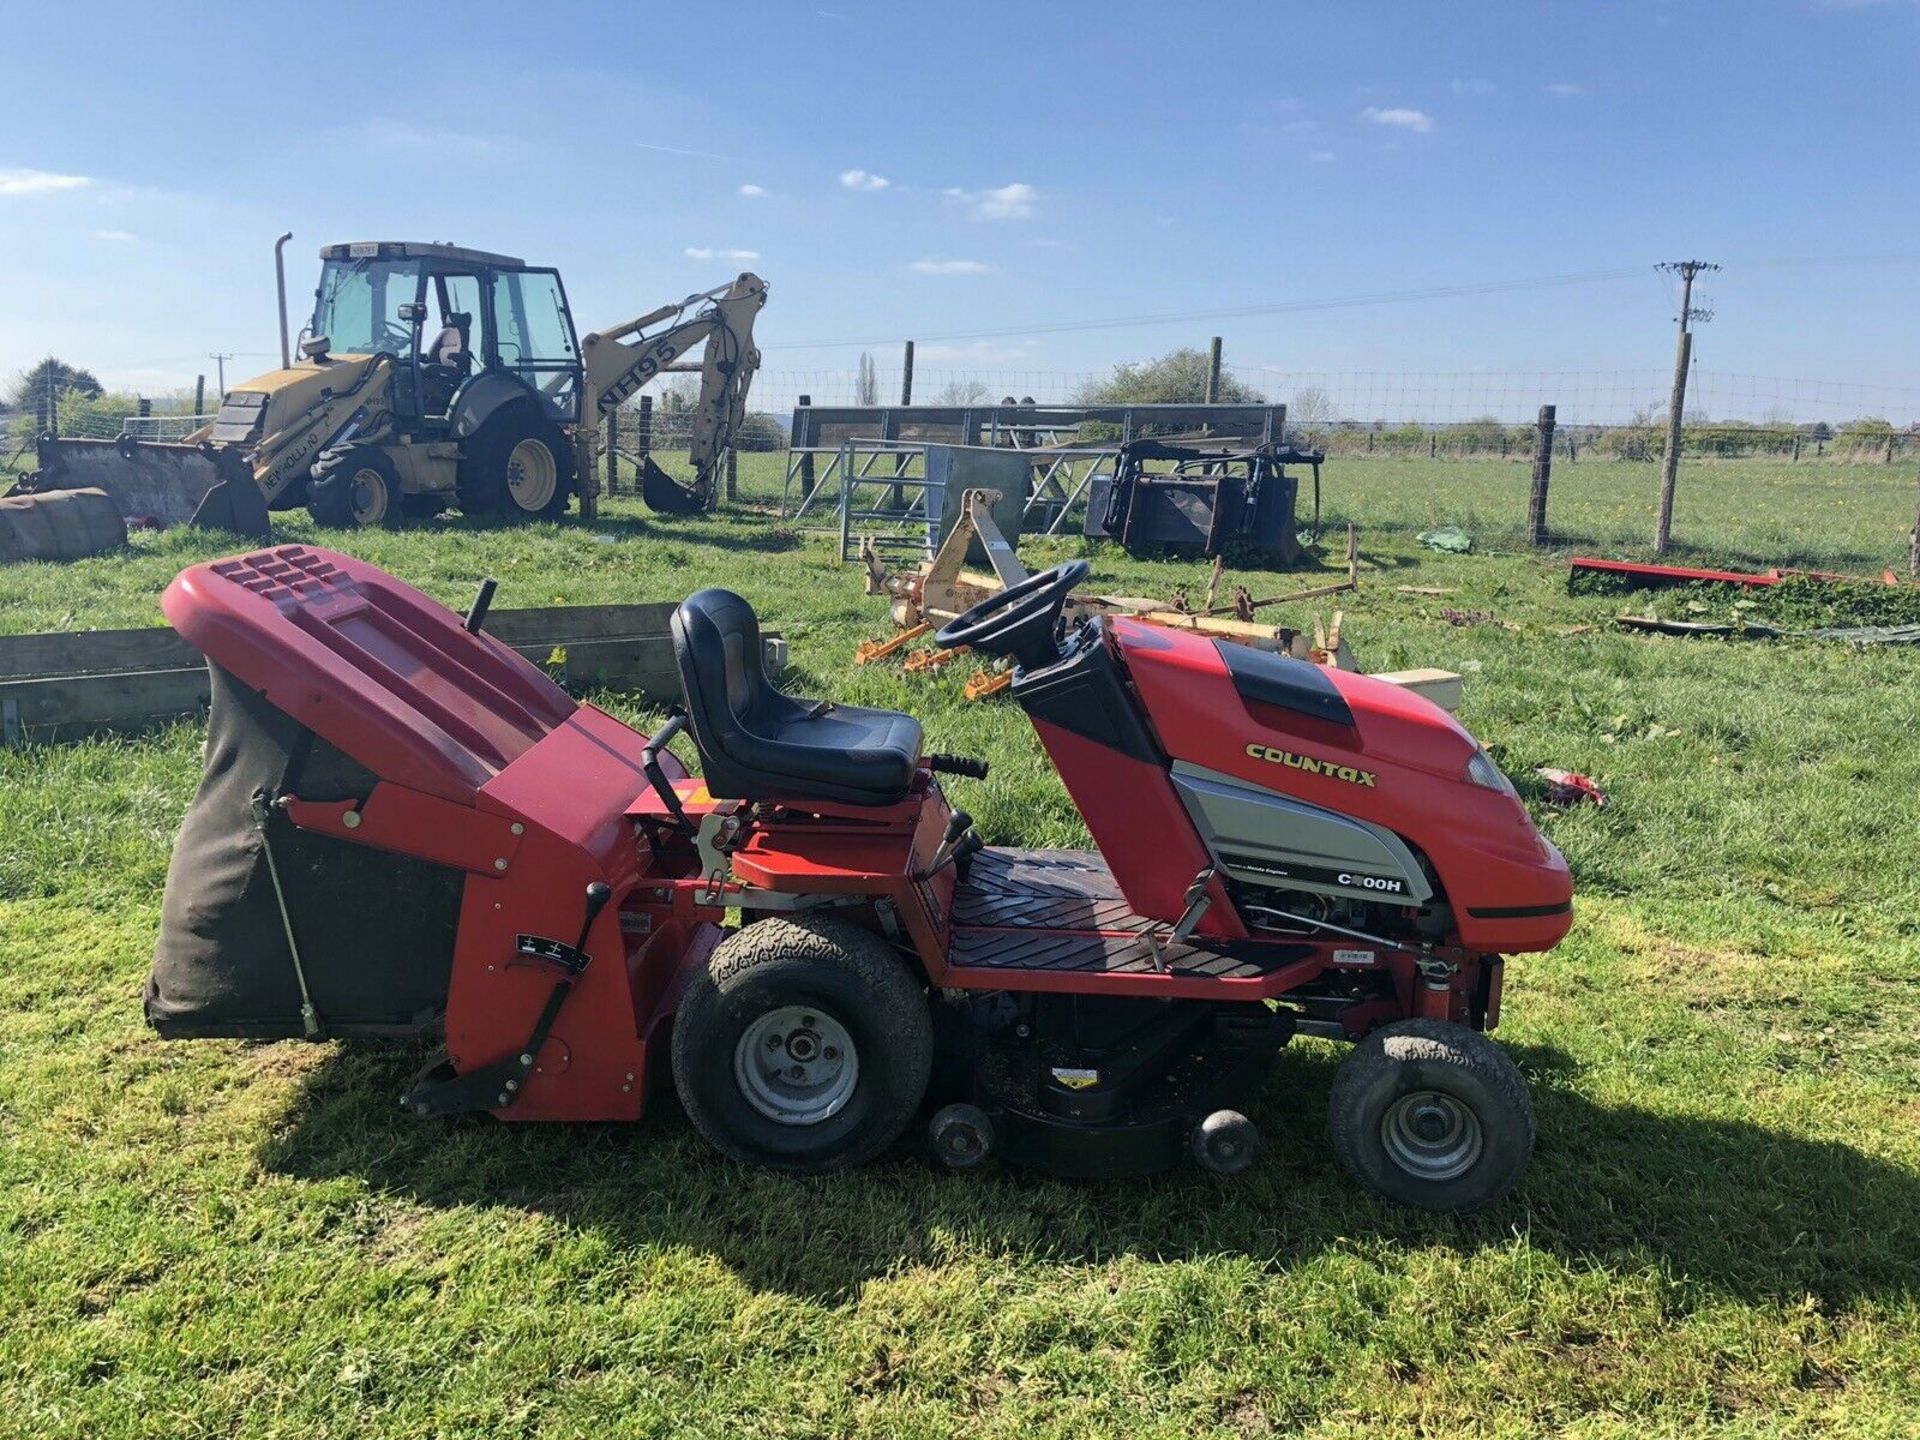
358, 305
534, 337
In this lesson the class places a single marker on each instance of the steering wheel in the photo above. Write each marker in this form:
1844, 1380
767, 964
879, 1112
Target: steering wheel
1020, 620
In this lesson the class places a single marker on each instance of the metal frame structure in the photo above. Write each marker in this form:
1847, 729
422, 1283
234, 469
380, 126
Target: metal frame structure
1063, 470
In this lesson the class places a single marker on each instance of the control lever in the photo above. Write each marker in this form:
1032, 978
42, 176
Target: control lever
571, 958
969, 845
960, 841
958, 823
482, 602
964, 765
656, 777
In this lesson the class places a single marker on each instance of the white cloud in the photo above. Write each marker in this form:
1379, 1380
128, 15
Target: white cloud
863, 180
399, 135
1009, 202
38, 182
709, 252
1400, 118
752, 192
1321, 157
949, 267
1565, 90
122, 237
1475, 86
1006, 202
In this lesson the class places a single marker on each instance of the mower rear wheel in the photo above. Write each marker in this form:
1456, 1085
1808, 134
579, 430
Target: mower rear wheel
1434, 1115
806, 1046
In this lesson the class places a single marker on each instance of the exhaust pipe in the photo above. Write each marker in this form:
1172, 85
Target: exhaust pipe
280, 279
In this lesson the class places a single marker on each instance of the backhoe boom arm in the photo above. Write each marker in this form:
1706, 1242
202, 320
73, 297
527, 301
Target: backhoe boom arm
617, 367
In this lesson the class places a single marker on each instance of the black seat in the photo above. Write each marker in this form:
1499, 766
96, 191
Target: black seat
757, 744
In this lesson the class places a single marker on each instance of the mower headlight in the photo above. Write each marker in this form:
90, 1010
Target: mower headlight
1483, 772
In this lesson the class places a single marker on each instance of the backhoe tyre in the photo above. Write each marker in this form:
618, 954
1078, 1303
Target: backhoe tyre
518, 466
806, 1046
354, 490
1433, 1115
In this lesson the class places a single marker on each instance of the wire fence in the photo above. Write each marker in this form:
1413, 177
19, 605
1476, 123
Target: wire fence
1388, 398
1603, 415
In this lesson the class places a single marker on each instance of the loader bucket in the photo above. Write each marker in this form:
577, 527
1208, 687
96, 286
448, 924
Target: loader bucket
666, 495
165, 483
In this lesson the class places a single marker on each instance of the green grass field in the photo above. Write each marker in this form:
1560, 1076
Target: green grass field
1720, 1234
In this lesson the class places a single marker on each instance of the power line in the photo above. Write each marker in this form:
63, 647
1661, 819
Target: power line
1279, 307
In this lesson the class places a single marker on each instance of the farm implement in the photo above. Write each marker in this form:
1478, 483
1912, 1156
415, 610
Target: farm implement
405, 828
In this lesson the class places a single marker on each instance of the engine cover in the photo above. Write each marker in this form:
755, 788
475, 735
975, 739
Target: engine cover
1267, 839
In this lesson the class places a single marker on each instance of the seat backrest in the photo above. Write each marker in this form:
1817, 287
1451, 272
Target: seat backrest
716, 645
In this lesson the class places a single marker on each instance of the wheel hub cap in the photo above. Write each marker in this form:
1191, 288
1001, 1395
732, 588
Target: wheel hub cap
796, 1065
1432, 1136
367, 496
532, 475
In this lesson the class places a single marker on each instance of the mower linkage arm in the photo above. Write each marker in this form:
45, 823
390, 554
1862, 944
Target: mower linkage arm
437, 1090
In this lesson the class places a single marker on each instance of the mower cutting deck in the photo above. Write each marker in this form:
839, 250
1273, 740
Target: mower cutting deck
407, 828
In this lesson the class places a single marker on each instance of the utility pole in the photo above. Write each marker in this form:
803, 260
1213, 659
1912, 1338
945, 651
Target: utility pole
1212, 394
220, 361
1677, 403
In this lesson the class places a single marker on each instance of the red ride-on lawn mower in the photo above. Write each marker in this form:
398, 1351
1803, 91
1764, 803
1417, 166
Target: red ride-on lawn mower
404, 827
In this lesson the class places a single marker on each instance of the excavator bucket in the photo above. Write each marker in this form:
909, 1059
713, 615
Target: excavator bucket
159, 482
667, 496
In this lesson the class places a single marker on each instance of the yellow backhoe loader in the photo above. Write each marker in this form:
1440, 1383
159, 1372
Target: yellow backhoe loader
430, 376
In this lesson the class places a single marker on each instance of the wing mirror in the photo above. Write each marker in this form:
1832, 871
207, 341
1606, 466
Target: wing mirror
413, 314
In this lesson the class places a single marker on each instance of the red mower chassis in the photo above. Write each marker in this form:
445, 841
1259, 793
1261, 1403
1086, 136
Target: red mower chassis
1314, 839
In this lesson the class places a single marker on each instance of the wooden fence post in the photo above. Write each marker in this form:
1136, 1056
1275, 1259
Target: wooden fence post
1913, 551
1542, 473
613, 451
199, 394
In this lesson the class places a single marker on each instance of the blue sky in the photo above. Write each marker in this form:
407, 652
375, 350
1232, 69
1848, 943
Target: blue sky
906, 170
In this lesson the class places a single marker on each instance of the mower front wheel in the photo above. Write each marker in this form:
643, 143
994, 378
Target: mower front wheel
806, 1046
1434, 1115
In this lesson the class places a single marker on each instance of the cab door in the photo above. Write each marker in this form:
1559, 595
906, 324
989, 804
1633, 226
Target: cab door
533, 338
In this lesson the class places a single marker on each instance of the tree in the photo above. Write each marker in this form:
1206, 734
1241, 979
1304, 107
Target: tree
759, 431
1178, 378
963, 392
38, 390
866, 388
1311, 406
